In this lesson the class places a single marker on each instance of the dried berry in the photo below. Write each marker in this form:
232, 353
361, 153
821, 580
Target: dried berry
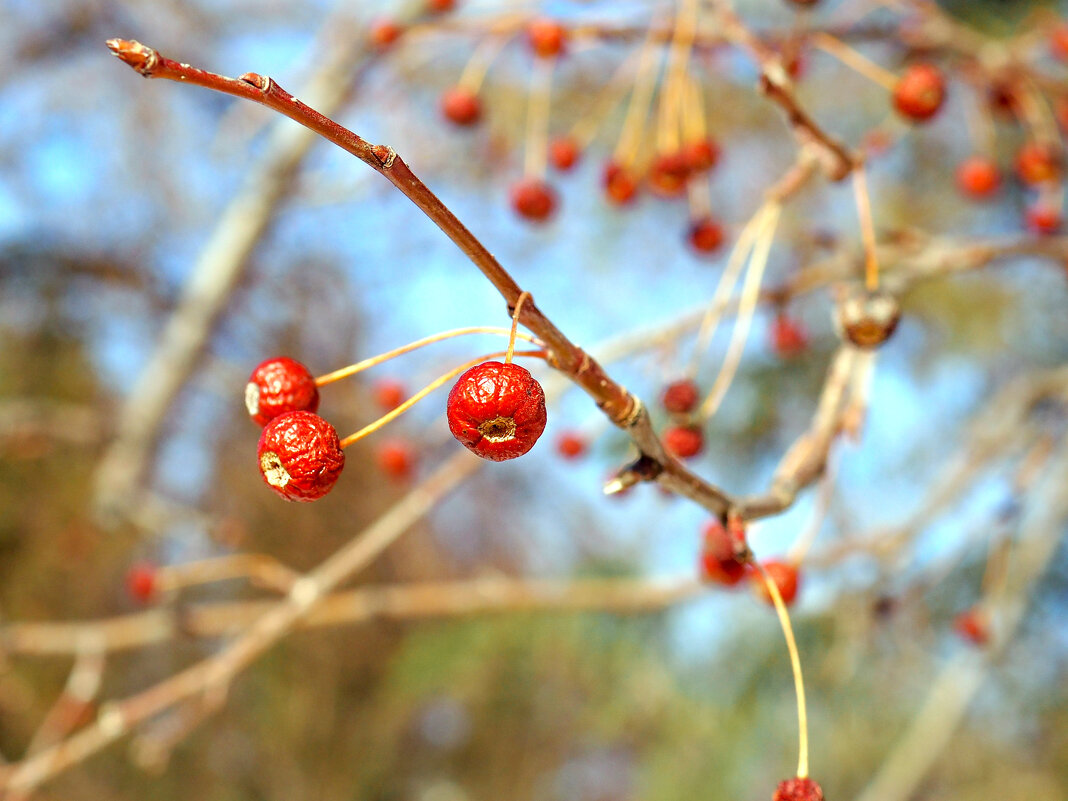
278, 386
395, 458
497, 410
620, 185
684, 442
300, 456
533, 199
783, 574
571, 445
867, 319
920, 92
798, 789
461, 106
705, 235
680, 397
389, 393
719, 562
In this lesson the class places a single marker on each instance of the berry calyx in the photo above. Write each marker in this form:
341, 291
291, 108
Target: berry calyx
563, 153
798, 789
719, 561
701, 155
1037, 163
497, 410
384, 33
395, 458
684, 442
461, 106
783, 574
978, 177
571, 445
680, 397
705, 235
546, 37
389, 393
920, 92
141, 581
867, 319
300, 456
620, 185
278, 386
668, 174
533, 199
788, 337
1043, 218
972, 626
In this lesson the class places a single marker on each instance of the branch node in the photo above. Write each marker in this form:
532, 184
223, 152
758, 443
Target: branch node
386, 156
254, 79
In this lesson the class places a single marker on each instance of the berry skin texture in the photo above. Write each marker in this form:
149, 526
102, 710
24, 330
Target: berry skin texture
920, 92
571, 445
533, 199
684, 442
978, 178
461, 106
497, 410
680, 397
1037, 163
718, 561
788, 337
547, 37
784, 575
395, 458
278, 386
141, 581
620, 185
389, 393
563, 153
797, 789
705, 235
300, 456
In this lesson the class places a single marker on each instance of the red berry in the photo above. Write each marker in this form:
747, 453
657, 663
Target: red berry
440, 6
300, 456
668, 174
278, 386
1037, 163
1058, 42
719, 562
546, 37
497, 411
701, 155
680, 397
395, 458
533, 199
788, 337
571, 445
798, 790
389, 393
785, 577
684, 442
461, 106
705, 235
1043, 218
620, 185
920, 92
978, 177
972, 626
563, 153
804, 2
141, 581
383, 33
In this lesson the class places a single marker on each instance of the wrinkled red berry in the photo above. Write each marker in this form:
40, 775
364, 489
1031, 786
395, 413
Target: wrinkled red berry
668, 174
141, 581
571, 445
972, 626
788, 337
383, 33
719, 562
705, 235
785, 577
684, 442
395, 458
389, 393
461, 106
920, 92
563, 153
1043, 218
300, 456
278, 386
1037, 163
798, 790
1058, 42
546, 37
978, 177
497, 410
680, 397
620, 185
701, 155
533, 199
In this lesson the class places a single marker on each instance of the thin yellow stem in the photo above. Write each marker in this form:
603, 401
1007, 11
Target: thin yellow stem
630, 136
693, 112
474, 72
515, 326
586, 128
360, 366
867, 226
389, 417
795, 665
673, 97
538, 107
855, 61
699, 197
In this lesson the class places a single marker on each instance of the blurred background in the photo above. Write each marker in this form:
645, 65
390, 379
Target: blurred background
127, 205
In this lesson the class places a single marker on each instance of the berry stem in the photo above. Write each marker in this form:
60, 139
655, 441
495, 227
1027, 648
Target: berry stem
474, 72
693, 112
855, 61
674, 95
795, 666
630, 135
389, 417
538, 107
867, 226
360, 366
584, 131
515, 327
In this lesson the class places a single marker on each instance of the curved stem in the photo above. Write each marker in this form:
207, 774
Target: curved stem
515, 326
855, 61
538, 106
867, 226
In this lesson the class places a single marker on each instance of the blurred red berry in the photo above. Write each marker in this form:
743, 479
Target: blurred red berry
1043, 218
978, 177
668, 174
300, 456
440, 6
1058, 42
141, 581
1037, 163
395, 458
797, 789
788, 337
680, 397
701, 155
920, 92
389, 393
547, 37
684, 442
705, 235
461, 106
563, 153
719, 562
497, 410
571, 445
783, 574
533, 199
972, 626
384, 32
620, 185
277, 386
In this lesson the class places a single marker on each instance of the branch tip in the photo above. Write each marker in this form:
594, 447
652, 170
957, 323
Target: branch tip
133, 53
